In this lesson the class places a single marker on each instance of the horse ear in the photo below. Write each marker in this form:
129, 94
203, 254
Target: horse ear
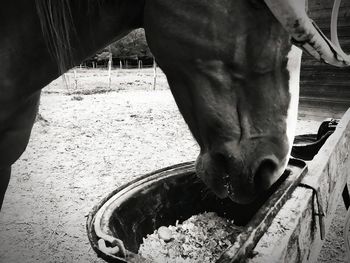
305, 33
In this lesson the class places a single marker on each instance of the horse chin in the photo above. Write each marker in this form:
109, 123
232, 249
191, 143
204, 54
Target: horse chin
242, 200
211, 177
221, 182
240, 196
221, 192
215, 186
223, 186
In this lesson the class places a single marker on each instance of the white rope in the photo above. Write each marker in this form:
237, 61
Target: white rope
334, 26
334, 23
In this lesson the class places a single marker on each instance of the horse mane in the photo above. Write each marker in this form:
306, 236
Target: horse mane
58, 29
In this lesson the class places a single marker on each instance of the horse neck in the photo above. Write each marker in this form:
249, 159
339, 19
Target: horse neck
27, 62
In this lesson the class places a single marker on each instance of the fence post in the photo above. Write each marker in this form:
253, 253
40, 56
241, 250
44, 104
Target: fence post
75, 79
110, 60
154, 73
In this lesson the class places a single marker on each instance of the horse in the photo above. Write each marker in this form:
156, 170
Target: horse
232, 67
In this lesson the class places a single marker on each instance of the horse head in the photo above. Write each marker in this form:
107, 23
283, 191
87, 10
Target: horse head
234, 74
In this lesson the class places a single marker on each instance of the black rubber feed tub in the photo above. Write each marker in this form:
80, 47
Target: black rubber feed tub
306, 146
175, 193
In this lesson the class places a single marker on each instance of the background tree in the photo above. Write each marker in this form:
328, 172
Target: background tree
133, 46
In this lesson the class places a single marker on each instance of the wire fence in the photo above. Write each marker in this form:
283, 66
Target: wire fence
84, 79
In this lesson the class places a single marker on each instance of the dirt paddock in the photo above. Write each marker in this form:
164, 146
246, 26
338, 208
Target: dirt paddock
87, 141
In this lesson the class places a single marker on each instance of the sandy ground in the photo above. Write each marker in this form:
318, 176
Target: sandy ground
88, 140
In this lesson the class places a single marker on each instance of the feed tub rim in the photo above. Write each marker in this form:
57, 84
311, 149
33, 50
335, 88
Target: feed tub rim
176, 170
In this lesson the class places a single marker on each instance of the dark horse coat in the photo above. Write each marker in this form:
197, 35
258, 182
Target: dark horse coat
230, 65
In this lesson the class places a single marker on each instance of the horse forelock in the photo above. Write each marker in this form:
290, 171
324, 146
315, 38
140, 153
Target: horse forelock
57, 27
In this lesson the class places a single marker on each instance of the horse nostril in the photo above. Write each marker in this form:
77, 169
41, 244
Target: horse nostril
264, 174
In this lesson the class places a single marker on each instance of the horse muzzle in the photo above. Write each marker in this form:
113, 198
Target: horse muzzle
242, 182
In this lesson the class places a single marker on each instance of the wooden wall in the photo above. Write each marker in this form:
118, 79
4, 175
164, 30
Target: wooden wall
320, 83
